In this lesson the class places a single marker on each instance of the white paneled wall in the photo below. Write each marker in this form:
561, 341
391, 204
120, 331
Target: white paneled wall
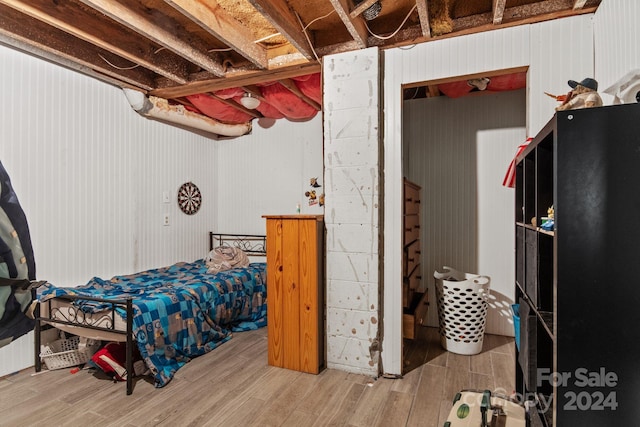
561, 50
91, 175
495, 149
570, 48
617, 42
458, 151
267, 173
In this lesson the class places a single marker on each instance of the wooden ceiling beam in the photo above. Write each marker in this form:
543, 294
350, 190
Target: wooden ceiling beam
133, 16
211, 85
359, 9
423, 15
356, 26
433, 91
518, 15
290, 84
546, 10
233, 104
255, 92
338, 48
498, 11
39, 39
278, 13
86, 27
579, 4
217, 22
531, 10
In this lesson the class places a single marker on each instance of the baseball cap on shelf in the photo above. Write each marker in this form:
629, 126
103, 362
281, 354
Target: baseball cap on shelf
588, 83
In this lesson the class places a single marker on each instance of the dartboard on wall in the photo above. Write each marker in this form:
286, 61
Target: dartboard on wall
189, 198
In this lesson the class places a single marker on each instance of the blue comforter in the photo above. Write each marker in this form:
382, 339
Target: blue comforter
181, 311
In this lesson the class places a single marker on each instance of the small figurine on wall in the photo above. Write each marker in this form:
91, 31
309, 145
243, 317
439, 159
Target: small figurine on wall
311, 194
584, 94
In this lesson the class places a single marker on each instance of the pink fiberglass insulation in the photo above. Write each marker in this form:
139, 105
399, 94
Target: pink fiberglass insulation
496, 84
232, 92
269, 111
455, 89
218, 110
286, 102
264, 108
311, 86
508, 82
237, 93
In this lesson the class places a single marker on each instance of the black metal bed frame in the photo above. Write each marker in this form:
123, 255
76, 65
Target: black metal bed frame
251, 244
105, 323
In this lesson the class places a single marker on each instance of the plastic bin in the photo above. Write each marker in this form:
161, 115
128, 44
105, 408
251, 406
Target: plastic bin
462, 310
515, 311
64, 352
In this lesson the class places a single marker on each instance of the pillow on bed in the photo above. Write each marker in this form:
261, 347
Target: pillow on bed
225, 258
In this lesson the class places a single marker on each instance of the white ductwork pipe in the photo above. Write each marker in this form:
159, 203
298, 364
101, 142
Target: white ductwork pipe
160, 109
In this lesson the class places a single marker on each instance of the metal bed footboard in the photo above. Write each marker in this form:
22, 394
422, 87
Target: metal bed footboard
104, 323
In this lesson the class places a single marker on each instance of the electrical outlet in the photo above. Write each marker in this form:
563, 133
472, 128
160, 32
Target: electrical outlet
166, 219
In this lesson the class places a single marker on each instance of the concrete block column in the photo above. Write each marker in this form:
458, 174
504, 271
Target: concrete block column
352, 209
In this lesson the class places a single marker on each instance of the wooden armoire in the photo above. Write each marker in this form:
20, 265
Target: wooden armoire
295, 292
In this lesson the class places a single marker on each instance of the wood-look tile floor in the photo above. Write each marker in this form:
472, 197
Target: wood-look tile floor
234, 386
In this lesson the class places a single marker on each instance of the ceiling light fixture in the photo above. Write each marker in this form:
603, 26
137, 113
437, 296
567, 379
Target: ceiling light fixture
249, 101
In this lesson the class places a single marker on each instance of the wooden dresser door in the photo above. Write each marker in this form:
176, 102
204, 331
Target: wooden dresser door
414, 302
295, 292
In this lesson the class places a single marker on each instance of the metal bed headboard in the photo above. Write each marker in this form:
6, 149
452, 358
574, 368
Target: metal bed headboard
251, 244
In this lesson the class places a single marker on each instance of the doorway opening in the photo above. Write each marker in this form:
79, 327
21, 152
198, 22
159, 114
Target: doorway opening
459, 136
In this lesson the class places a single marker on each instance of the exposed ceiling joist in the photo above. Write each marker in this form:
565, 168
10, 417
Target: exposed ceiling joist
40, 39
360, 8
278, 13
86, 29
356, 26
289, 84
433, 90
135, 17
579, 4
236, 106
498, 11
423, 14
215, 20
172, 49
243, 80
254, 91
528, 13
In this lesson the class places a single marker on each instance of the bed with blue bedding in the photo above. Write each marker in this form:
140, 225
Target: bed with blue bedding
171, 314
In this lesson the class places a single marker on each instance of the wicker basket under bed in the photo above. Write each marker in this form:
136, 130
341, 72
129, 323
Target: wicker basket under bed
67, 352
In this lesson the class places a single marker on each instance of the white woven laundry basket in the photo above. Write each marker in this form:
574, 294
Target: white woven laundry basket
64, 352
462, 310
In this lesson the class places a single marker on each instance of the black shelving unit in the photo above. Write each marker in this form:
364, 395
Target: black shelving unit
578, 286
